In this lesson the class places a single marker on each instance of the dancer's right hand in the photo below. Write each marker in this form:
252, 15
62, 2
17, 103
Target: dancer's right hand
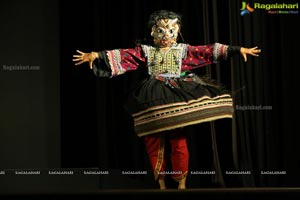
85, 57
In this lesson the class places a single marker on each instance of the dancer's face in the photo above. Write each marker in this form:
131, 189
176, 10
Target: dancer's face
165, 32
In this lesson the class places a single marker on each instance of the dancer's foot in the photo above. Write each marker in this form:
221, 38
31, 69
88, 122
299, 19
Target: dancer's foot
181, 183
162, 183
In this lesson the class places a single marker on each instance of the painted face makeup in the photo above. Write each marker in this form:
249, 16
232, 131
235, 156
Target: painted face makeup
165, 32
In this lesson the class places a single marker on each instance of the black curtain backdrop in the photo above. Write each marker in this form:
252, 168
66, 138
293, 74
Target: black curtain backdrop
97, 132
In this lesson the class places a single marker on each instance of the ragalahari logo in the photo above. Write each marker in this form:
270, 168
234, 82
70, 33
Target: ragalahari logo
246, 9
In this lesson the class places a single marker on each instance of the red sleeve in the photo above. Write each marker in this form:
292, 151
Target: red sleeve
123, 60
198, 56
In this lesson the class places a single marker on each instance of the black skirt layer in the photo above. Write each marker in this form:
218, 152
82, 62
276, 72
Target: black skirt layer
160, 105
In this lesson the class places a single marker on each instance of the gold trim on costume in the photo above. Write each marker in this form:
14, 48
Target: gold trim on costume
202, 99
182, 176
160, 156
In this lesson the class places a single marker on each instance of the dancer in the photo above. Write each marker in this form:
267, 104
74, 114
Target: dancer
171, 96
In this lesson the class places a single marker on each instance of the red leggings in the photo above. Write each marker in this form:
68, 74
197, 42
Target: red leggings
155, 146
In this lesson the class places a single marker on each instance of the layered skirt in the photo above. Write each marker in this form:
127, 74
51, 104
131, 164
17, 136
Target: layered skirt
160, 104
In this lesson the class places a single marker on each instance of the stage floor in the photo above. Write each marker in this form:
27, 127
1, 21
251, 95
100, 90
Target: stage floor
80, 185
210, 194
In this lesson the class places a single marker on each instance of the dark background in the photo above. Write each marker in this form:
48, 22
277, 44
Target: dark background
62, 116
